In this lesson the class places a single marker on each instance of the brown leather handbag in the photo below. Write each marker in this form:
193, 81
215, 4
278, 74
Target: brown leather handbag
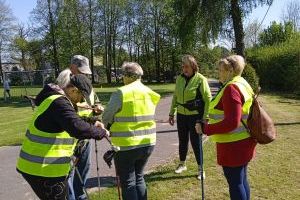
259, 123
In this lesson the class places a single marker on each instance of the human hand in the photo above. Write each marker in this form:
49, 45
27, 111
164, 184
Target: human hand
103, 131
98, 109
171, 120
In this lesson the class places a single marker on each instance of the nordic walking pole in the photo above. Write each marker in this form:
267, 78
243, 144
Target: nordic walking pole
201, 160
81, 181
108, 156
201, 166
118, 184
97, 164
74, 167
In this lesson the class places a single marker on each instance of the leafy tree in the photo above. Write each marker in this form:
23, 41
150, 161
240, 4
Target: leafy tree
20, 47
252, 32
291, 13
214, 17
276, 33
6, 29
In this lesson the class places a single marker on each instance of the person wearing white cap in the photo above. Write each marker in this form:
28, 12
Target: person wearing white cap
80, 65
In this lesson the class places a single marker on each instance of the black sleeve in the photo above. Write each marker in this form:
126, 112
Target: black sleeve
67, 118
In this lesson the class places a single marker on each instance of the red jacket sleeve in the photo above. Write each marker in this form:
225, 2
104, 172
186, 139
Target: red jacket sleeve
231, 103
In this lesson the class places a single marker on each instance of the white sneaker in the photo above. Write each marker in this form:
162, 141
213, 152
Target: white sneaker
180, 168
199, 176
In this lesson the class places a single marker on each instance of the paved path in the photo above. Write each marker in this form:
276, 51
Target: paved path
13, 186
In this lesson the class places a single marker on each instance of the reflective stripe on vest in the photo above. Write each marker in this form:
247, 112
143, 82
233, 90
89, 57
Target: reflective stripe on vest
134, 124
134, 119
134, 133
45, 154
216, 115
46, 140
43, 160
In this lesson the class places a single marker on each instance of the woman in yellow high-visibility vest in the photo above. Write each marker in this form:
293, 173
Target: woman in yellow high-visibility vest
130, 116
235, 147
191, 87
44, 159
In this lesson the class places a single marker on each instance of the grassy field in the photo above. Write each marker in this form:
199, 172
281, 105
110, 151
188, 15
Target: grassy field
274, 174
16, 113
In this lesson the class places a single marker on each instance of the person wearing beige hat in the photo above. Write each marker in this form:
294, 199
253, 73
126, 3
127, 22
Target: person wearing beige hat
80, 65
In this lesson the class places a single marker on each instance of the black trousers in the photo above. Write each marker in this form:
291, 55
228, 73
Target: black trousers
48, 188
186, 131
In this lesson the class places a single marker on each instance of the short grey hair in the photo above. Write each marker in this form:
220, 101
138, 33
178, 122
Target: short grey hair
132, 70
64, 78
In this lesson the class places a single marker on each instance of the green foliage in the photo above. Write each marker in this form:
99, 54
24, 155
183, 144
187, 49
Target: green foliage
15, 78
250, 75
276, 33
207, 59
278, 66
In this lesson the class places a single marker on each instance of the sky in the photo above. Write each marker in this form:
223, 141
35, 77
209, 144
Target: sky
22, 8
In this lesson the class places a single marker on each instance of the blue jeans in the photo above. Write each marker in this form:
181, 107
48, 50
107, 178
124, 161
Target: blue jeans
238, 184
75, 187
130, 168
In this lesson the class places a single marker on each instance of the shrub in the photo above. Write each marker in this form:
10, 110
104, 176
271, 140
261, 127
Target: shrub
278, 66
250, 75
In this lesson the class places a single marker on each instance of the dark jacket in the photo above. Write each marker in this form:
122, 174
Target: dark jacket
62, 116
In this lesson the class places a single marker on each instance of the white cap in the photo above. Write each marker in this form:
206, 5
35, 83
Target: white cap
82, 64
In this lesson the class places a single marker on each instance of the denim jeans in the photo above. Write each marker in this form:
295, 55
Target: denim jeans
75, 187
130, 168
238, 184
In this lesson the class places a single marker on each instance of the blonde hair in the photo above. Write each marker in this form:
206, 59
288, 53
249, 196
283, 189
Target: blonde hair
191, 61
234, 62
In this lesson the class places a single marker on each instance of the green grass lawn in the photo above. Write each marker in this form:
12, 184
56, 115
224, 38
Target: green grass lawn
274, 174
16, 113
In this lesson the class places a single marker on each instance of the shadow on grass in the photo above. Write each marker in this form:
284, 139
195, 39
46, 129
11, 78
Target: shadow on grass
110, 181
105, 181
15, 102
166, 175
285, 95
287, 123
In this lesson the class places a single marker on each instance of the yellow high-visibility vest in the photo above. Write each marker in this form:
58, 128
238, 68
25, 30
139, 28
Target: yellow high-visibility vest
216, 115
134, 124
45, 154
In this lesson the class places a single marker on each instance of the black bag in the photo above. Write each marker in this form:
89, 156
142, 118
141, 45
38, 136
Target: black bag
195, 104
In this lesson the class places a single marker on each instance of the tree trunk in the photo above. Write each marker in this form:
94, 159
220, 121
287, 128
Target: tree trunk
91, 40
156, 45
1, 71
52, 32
236, 15
106, 43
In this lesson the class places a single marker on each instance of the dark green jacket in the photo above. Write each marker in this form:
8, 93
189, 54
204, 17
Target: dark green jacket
186, 90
